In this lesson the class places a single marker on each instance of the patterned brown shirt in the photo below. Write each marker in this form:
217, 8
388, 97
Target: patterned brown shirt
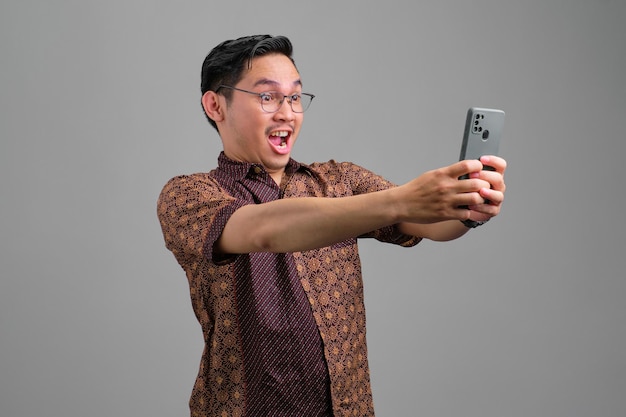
325, 312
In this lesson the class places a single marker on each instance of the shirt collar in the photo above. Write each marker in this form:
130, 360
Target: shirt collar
240, 170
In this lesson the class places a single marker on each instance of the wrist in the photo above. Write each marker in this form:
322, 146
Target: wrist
472, 224
392, 202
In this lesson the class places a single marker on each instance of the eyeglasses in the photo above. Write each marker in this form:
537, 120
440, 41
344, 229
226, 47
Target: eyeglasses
272, 100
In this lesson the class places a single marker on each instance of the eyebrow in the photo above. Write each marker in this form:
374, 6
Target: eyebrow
267, 81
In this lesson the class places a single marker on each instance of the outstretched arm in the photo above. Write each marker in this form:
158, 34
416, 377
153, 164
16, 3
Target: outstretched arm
299, 224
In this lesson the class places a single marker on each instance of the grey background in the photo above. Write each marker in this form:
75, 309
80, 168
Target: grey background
100, 107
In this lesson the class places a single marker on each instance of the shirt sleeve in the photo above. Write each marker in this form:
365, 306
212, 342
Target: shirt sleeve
193, 211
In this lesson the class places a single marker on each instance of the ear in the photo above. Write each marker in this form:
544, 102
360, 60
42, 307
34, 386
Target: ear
213, 106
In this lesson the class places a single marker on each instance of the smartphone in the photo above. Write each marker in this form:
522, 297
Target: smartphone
483, 129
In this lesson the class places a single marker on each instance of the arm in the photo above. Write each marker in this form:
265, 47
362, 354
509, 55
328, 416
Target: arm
305, 223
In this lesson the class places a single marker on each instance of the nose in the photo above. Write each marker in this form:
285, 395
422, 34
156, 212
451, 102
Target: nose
285, 112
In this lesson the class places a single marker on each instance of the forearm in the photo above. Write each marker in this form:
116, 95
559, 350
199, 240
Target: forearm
440, 232
298, 224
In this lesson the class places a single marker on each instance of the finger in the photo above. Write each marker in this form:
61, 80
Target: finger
483, 211
477, 213
494, 178
472, 185
466, 167
494, 197
497, 163
489, 207
469, 199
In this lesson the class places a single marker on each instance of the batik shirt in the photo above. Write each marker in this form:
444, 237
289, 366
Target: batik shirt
280, 330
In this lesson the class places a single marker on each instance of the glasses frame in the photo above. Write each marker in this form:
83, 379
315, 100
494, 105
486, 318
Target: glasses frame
280, 103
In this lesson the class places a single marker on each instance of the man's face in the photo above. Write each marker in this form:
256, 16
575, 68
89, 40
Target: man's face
251, 135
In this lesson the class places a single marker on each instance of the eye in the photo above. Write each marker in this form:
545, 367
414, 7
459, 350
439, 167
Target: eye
295, 98
267, 97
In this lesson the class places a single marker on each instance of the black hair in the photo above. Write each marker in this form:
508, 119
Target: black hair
226, 62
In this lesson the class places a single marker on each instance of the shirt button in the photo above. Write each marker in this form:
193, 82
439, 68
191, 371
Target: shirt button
257, 170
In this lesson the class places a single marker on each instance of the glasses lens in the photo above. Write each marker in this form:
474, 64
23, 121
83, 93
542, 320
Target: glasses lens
270, 101
306, 100
300, 102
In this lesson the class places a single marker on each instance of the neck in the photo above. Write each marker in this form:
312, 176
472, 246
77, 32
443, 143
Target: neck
277, 176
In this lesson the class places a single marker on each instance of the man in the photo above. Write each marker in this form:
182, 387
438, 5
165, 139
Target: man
269, 245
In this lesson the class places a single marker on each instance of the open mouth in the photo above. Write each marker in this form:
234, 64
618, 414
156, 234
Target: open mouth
280, 140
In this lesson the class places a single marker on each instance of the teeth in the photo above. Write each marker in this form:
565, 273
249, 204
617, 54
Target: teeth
282, 133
